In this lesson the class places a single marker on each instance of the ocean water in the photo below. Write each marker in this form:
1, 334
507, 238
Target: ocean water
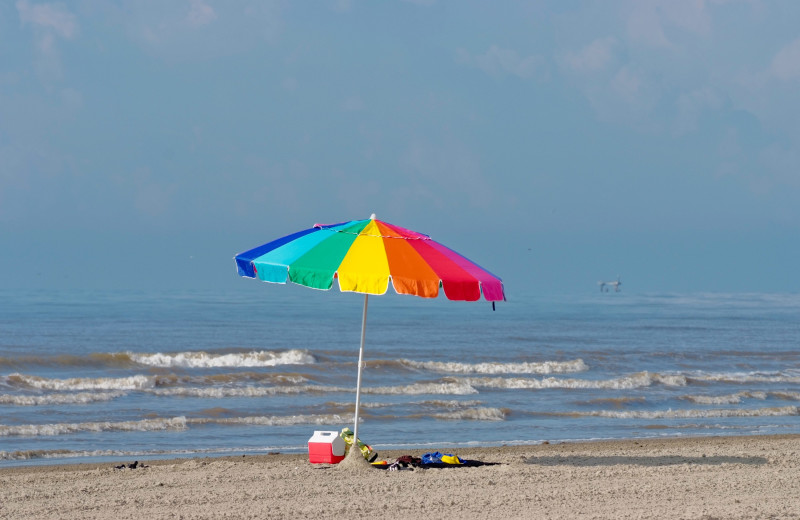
117, 376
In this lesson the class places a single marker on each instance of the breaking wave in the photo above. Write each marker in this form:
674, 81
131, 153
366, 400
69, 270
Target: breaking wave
448, 388
688, 414
747, 377
189, 359
724, 399
472, 414
137, 382
166, 380
286, 420
62, 453
70, 360
638, 380
544, 367
144, 425
417, 407
246, 391
786, 396
40, 454
43, 400
263, 358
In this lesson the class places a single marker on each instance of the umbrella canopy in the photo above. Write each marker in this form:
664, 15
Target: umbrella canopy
365, 256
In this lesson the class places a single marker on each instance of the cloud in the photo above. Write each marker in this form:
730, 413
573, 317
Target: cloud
353, 104
618, 90
691, 105
49, 22
52, 18
192, 30
445, 173
627, 83
786, 63
342, 6
644, 25
596, 56
290, 84
150, 197
200, 14
782, 162
497, 62
647, 21
690, 16
165, 25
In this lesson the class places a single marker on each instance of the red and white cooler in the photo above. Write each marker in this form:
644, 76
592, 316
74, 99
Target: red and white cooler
325, 448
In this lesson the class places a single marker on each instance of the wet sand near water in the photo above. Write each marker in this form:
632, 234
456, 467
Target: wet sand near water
709, 477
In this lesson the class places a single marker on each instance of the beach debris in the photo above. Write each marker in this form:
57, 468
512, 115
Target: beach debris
135, 464
405, 462
369, 454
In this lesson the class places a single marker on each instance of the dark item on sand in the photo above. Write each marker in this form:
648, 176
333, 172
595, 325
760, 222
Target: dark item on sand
134, 465
409, 459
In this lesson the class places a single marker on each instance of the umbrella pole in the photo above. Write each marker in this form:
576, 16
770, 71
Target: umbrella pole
360, 365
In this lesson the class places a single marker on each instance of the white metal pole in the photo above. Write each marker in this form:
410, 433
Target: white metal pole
360, 366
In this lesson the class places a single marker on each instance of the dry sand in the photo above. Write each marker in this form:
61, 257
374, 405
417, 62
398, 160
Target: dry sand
715, 477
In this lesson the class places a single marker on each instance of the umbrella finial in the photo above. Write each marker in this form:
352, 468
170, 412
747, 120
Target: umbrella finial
372, 217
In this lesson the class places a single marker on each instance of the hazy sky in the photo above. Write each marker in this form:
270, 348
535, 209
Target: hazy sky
145, 143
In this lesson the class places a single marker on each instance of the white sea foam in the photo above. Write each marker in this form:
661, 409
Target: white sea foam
431, 403
448, 388
43, 400
687, 414
725, 399
288, 420
747, 377
138, 382
58, 454
786, 396
246, 391
473, 414
544, 367
33, 430
450, 404
638, 380
263, 358
62, 454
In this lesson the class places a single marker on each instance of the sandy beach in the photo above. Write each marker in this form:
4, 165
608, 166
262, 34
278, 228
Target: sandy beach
713, 477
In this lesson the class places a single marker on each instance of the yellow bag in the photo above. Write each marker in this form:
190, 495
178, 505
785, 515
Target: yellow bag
347, 436
451, 459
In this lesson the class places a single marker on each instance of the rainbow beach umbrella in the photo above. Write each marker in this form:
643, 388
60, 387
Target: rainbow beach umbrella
366, 256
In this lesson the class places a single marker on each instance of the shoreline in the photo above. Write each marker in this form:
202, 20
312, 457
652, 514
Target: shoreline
159, 459
43, 466
683, 477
